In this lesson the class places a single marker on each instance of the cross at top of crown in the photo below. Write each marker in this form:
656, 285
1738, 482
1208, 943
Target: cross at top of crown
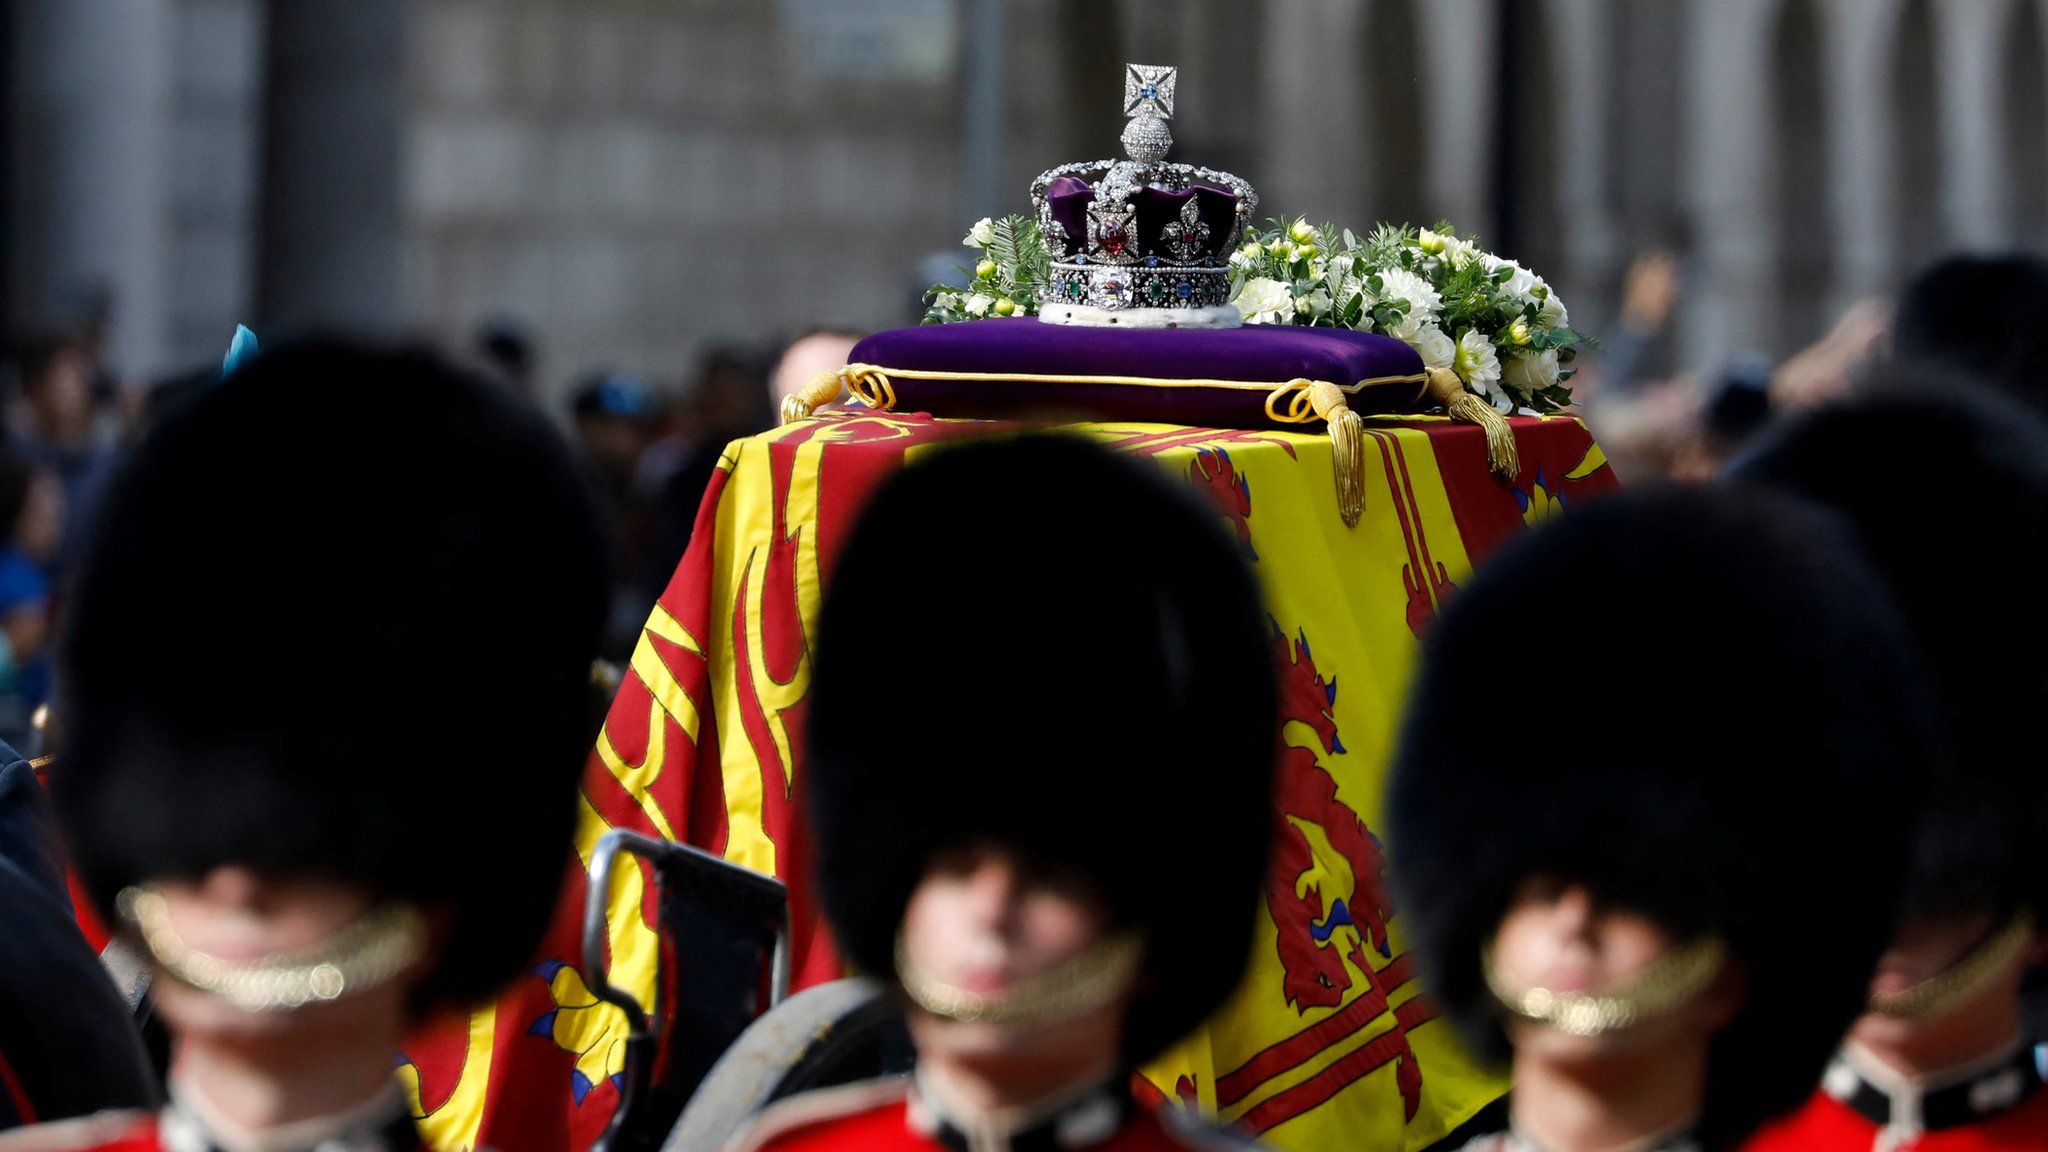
1148, 90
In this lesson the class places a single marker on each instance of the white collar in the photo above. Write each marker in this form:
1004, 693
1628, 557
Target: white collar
191, 1123
1076, 1117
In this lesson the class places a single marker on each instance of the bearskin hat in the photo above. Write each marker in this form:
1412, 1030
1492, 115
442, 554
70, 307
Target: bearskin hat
1034, 643
1718, 728
1946, 489
336, 619
1980, 314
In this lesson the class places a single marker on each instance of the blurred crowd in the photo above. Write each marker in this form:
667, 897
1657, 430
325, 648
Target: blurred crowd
1654, 424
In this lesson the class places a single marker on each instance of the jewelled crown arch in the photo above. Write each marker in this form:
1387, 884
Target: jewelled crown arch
1142, 242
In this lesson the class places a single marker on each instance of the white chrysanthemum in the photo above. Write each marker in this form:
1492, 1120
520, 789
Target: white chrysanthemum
981, 235
1521, 287
1436, 349
1477, 364
1264, 300
1424, 301
1531, 373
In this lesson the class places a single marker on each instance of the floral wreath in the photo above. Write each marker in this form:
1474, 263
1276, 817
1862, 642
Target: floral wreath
1496, 324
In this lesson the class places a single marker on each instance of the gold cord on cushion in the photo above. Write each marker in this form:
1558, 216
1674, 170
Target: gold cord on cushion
1447, 389
1671, 981
1949, 989
871, 386
1080, 986
822, 390
1321, 400
1347, 445
370, 952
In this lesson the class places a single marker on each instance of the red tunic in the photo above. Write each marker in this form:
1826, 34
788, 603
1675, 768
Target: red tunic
102, 1132
885, 1116
128, 1131
2003, 1109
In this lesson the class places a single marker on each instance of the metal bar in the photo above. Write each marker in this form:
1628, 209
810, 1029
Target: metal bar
596, 976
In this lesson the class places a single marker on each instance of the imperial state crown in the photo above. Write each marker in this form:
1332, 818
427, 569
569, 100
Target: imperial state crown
1147, 245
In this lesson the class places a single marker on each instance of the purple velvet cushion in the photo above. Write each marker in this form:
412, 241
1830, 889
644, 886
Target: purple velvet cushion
1022, 367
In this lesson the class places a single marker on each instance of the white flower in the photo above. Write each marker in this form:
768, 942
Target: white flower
981, 235
979, 303
1477, 365
1554, 314
1532, 372
1264, 300
1423, 301
1521, 287
1453, 251
1436, 349
1315, 304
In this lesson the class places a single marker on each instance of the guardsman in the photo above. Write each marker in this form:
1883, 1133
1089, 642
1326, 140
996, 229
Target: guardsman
1626, 879
323, 719
1040, 780
1948, 492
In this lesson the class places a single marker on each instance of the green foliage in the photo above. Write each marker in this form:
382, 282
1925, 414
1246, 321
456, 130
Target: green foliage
1007, 278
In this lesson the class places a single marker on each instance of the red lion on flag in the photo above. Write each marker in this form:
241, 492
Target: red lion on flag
1322, 842
1307, 917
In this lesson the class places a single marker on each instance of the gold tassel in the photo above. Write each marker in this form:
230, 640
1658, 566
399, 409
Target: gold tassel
1347, 444
1501, 454
822, 390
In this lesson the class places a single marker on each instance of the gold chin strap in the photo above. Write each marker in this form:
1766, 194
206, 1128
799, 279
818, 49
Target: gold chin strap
1947, 990
1076, 988
367, 953
1671, 981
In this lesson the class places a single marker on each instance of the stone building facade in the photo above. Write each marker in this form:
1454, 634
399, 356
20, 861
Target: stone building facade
637, 179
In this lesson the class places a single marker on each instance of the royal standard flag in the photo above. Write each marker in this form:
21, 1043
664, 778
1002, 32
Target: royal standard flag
1330, 1042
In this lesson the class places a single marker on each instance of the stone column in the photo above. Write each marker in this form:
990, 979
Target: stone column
1459, 49
1729, 310
1858, 41
332, 224
1314, 125
1971, 74
89, 112
1585, 87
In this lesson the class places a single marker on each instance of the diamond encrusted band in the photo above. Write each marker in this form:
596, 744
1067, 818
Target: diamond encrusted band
1114, 286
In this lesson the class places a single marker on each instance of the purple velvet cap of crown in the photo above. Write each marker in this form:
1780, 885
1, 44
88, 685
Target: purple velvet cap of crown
1025, 347
1068, 199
